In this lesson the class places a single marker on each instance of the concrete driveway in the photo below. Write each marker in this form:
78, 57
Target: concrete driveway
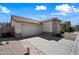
49, 47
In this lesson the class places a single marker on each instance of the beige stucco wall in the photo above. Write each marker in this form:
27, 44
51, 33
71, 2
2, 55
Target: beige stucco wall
47, 26
17, 27
55, 27
27, 29
51, 26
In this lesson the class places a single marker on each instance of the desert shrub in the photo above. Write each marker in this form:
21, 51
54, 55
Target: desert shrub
71, 29
58, 35
62, 32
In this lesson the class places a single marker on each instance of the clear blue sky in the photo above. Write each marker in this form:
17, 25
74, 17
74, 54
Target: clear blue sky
40, 11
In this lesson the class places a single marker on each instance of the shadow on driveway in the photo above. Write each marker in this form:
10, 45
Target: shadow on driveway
47, 37
8, 39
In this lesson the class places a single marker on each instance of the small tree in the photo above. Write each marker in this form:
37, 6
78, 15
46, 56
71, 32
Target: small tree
71, 29
77, 27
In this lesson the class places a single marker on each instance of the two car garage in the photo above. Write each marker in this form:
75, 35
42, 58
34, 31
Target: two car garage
25, 26
30, 29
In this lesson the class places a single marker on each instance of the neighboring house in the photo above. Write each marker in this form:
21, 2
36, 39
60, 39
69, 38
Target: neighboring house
6, 30
25, 26
0, 30
66, 25
6, 27
51, 26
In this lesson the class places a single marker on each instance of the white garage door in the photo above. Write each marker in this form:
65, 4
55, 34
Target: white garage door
28, 30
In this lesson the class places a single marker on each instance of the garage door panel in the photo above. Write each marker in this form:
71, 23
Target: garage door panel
29, 30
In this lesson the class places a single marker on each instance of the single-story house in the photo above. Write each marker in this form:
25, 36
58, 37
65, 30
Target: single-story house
27, 27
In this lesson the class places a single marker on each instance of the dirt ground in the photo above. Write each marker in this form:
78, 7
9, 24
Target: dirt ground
70, 36
12, 48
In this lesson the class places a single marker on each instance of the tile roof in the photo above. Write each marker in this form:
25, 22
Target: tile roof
23, 19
